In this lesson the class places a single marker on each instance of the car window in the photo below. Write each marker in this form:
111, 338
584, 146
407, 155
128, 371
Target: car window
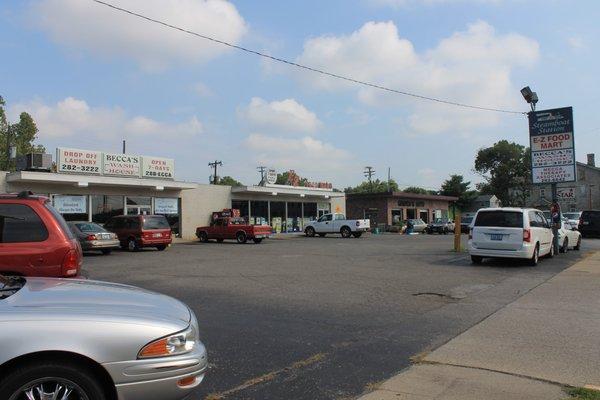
61, 221
543, 222
571, 215
133, 223
502, 219
326, 217
20, 223
155, 222
592, 216
533, 219
340, 217
89, 227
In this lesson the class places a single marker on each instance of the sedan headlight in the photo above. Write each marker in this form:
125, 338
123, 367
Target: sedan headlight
172, 345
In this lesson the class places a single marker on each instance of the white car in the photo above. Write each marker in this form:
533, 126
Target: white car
337, 223
510, 232
568, 236
573, 217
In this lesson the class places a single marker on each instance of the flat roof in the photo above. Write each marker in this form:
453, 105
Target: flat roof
51, 178
274, 190
402, 195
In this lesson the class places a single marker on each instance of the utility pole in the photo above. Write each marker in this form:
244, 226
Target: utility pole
389, 179
123, 146
369, 172
214, 165
262, 170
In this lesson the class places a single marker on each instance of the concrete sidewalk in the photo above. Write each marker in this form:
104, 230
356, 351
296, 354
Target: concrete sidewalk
547, 339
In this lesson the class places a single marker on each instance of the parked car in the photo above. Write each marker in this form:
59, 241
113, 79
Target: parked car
419, 226
589, 223
512, 233
74, 339
568, 236
465, 224
337, 223
440, 225
233, 228
573, 218
138, 231
92, 236
35, 239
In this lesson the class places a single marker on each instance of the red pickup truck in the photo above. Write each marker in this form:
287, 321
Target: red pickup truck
233, 228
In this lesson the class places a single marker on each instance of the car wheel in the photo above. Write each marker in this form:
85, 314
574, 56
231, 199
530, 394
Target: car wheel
50, 380
132, 245
310, 231
241, 237
106, 251
476, 259
578, 245
445, 231
162, 247
257, 240
565, 246
357, 234
346, 232
535, 258
203, 236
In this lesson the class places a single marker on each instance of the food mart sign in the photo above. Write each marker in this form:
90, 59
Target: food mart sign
552, 146
113, 164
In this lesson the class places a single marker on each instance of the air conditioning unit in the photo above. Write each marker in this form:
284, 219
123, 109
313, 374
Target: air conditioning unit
35, 162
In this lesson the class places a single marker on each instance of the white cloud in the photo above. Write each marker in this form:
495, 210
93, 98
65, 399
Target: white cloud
103, 31
576, 42
308, 156
473, 66
283, 116
72, 117
202, 90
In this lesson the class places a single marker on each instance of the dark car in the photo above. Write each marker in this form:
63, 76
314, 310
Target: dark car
92, 236
465, 224
441, 226
35, 239
138, 231
589, 223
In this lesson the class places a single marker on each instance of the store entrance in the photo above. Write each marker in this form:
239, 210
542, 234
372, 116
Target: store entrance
138, 206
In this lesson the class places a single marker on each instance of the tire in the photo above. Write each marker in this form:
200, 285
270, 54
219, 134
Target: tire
551, 252
241, 237
346, 232
203, 236
257, 240
357, 234
18, 381
565, 246
106, 251
161, 247
476, 259
310, 231
535, 258
578, 245
445, 231
322, 234
132, 245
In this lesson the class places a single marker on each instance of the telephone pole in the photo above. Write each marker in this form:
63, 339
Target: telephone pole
262, 170
214, 165
369, 172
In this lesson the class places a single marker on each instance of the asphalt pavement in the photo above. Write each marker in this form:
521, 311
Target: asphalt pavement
324, 318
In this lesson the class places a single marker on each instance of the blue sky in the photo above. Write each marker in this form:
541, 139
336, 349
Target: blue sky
91, 77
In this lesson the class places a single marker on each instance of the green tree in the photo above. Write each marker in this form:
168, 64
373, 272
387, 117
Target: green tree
23, 134
506, 168
229, 181
416, 190
375, 186
283, 179
457, 187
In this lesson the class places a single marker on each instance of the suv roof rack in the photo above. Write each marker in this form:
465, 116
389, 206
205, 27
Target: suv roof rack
24, 194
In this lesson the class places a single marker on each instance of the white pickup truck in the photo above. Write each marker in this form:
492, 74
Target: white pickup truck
337, 223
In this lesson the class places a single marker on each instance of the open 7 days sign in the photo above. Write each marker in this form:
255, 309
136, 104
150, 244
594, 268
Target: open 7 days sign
552, 146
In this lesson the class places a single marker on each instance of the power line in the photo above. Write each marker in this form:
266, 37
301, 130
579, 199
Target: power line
305, 67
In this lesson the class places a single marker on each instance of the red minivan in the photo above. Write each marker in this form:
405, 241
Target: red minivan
137, 231
35, 239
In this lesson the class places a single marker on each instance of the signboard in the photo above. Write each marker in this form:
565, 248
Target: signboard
552, 146
565, 194
271, 176
78, 161
163, 205
155, 167
121, 165
70, 204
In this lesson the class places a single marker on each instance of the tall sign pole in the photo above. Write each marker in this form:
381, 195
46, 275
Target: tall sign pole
552, 146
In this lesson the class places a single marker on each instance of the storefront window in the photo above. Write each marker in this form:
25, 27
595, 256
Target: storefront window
278, 221
104, 207
169, 207
241, 205
259, 212
139, 205
310, 212
72, 208
294, 217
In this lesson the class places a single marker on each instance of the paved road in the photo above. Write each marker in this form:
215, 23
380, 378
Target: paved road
324, 318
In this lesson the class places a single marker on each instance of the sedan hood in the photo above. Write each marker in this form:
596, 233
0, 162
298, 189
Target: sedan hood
102, 300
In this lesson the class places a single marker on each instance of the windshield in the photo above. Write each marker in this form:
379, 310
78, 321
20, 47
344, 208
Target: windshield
10, 285
440, 221
466, 220
90, 227
156, 222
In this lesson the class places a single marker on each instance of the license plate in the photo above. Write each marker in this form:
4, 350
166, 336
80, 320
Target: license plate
157, 235
496, 236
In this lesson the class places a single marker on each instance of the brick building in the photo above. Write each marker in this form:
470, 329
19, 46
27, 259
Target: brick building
390, 207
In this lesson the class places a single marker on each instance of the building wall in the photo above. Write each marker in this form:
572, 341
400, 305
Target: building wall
3, 188
356, 206
429, 205
199, 204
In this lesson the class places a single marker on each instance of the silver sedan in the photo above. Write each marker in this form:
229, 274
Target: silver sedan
73, 339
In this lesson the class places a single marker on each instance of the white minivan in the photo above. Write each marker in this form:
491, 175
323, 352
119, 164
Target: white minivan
510, 232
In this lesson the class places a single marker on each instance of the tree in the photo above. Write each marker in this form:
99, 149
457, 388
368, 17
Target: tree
375, 186
228, 181
506, 168
23, 134
457, 187
416, 190
290, 178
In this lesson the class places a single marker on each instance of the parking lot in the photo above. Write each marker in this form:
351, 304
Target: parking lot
324, 318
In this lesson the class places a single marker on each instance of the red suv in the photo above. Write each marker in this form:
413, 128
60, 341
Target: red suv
137, 231
35, 239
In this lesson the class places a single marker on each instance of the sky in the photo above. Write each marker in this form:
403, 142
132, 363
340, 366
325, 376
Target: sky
92, 76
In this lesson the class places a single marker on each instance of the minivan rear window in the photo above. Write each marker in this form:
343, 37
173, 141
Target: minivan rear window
156, 222
502, 219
